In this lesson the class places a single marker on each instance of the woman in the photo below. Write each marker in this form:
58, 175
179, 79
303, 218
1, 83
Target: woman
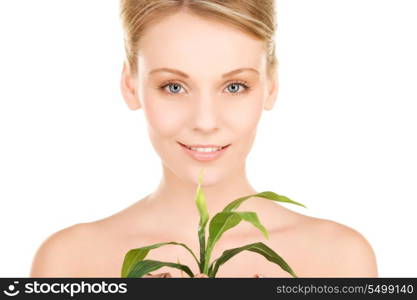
203, 72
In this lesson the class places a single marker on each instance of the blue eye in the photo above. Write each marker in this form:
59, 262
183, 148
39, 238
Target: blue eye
174, 87
236, 86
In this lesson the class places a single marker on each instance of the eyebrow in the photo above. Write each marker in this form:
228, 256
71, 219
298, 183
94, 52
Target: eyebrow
182, 74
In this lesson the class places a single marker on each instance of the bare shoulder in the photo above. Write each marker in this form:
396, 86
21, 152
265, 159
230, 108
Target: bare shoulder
342, 250
55, 257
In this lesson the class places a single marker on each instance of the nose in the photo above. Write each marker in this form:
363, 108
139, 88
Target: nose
206, 114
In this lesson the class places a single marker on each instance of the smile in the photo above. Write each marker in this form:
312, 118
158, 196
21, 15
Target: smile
204, 152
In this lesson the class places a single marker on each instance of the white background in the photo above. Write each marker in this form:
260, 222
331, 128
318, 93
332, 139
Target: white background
341, 138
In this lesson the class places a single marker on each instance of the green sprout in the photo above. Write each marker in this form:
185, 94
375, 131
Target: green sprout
135, 265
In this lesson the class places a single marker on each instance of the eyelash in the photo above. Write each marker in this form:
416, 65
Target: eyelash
242, 83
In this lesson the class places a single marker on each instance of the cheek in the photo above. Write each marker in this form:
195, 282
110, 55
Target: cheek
164, 118
245, 116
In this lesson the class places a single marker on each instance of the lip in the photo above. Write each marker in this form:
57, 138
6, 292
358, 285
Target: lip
207, 156
202, 146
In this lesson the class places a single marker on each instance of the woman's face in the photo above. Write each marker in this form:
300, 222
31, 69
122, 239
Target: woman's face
199, 104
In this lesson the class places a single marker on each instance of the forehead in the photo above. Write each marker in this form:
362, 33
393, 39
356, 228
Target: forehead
198, 45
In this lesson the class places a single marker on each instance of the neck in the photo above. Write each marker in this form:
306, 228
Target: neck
177, 195
174, 200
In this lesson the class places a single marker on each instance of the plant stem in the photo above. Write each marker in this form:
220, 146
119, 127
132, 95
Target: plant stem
202, 252
207, 260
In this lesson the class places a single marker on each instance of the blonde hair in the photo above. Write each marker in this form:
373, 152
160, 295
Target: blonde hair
254, 17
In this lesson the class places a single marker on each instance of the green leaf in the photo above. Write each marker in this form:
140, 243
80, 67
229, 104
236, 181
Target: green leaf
267, 195
224, 221
201, 201
220, 223
252, 217
138, 254
204, 217
210, 270
260, 248
182, 272
145, 266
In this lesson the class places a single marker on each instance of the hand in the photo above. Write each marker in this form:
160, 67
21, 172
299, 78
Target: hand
205, 276
168, 275
160, 275
200, 275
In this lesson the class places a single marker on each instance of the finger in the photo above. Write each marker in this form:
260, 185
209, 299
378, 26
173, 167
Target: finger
160, 275
201, 275
258, 276
164, 275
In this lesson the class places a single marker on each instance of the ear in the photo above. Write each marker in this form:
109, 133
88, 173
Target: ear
272, 91
129, 92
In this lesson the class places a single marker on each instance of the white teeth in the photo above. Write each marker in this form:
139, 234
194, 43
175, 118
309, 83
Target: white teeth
205, 149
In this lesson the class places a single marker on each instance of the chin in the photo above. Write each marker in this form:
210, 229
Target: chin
212, 175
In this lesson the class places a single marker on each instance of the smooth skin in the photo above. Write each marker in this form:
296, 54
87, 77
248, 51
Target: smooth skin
203, 108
